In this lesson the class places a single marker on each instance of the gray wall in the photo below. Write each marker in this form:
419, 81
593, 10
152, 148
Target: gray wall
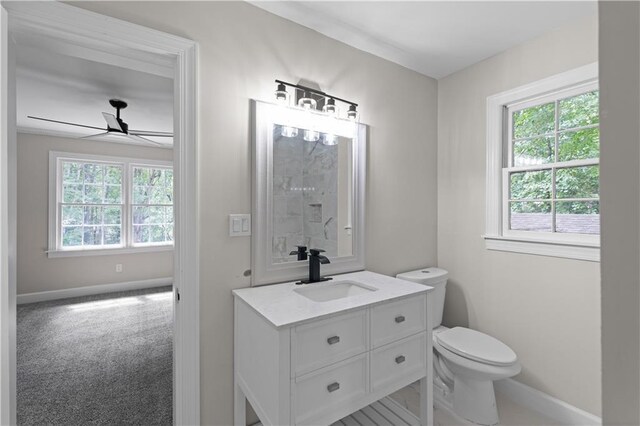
36, 272
242, 50
619, 177
547, 309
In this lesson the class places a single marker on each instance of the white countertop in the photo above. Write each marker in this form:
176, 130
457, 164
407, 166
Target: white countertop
283, 307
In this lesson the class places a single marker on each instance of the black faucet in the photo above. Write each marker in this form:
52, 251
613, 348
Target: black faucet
315, 260
301, 252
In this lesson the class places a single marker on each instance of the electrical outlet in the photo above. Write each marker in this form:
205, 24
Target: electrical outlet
118, 267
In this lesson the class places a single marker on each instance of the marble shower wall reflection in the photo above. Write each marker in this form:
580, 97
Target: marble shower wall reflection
308, 181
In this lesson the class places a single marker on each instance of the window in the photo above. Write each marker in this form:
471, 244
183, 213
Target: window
543, 146
108, 204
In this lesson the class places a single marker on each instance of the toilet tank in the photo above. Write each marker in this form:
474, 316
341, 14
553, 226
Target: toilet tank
433, 277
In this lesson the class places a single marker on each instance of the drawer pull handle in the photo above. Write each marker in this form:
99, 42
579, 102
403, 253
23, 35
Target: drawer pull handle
400, 318
333, 340
400, 359
333, 387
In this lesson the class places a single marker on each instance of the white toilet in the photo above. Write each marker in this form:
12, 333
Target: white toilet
465, 362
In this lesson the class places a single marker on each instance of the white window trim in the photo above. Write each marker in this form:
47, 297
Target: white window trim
566, 245
54, 250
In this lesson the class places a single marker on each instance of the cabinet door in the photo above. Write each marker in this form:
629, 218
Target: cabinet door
328, 341
395, 320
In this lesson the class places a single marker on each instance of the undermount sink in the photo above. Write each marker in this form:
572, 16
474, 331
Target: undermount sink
333, 291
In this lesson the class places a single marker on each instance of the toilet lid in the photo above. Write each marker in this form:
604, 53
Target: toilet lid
477, 346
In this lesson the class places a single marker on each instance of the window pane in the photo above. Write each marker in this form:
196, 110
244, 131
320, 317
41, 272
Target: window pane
113, 175
582, 217
93, 173
531, 216
72, 172
93, 215
140, 233
112, 215
112, 235
156, 215
93, 194
578, 111
537, 120
92, 236
157, 234
141, 176
528, 152
72, 215
113, 194
140, 215
71, 236
579, 145
140, 195
578, 182
531, 185
168, 215
72, 193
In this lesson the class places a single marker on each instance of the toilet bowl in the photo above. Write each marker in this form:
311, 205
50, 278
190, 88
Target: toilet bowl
466, 362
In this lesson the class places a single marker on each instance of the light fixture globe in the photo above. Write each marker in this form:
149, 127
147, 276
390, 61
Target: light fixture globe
289, 132
307, 102
282, 96
329, 140
352, 114
311, 136
330, 107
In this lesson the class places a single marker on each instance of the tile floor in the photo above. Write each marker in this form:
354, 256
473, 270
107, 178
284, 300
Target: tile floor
511, 414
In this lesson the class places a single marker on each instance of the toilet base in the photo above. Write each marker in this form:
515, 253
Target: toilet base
475, 400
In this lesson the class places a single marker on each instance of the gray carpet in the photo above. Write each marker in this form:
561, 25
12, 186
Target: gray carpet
96, 360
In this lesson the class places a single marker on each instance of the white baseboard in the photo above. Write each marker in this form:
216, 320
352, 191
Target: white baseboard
91, 290
545, 404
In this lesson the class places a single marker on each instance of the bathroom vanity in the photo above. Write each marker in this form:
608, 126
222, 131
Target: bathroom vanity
313, 354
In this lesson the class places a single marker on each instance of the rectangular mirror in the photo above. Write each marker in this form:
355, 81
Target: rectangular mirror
308, 191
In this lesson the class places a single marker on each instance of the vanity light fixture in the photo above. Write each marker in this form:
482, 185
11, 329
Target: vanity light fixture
309, 100
289, 132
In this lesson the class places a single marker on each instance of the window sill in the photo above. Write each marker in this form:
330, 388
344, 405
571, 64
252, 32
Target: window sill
109, 251
588, 252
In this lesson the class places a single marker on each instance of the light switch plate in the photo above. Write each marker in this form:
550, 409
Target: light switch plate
239, 225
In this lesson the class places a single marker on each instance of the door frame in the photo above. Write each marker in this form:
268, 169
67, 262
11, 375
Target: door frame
102, 33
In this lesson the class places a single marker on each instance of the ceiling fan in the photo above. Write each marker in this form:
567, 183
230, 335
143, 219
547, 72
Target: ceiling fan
116, 126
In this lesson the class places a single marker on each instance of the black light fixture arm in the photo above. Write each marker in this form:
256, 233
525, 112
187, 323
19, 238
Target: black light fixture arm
317, 92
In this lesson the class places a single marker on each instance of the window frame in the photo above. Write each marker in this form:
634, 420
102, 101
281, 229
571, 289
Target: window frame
55, 248
497, 235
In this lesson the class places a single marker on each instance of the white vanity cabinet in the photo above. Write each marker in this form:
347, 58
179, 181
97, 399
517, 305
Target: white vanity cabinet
312, 363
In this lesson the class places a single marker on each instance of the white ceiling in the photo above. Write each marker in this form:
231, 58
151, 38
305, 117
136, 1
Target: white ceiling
56, 81
435, 38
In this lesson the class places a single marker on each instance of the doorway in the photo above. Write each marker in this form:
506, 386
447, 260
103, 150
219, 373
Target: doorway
101, 37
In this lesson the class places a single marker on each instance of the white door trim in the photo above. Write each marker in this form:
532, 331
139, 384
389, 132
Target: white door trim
109, 35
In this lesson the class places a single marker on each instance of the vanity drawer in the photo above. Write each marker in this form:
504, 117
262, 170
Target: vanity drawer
328, 341
399, 362
329, 389
396, 320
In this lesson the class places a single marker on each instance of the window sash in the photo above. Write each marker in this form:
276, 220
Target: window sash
57, 160
509, 167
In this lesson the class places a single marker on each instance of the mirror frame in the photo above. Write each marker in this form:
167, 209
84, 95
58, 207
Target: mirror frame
265, 116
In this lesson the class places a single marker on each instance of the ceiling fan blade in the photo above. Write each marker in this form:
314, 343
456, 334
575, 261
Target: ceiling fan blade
144, 140
112, 121
150, 133
64, 122
93, 136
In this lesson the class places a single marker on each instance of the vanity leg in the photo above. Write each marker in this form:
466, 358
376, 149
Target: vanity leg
239, 406
426, 402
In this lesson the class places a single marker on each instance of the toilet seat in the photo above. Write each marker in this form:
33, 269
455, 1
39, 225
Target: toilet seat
476, 346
